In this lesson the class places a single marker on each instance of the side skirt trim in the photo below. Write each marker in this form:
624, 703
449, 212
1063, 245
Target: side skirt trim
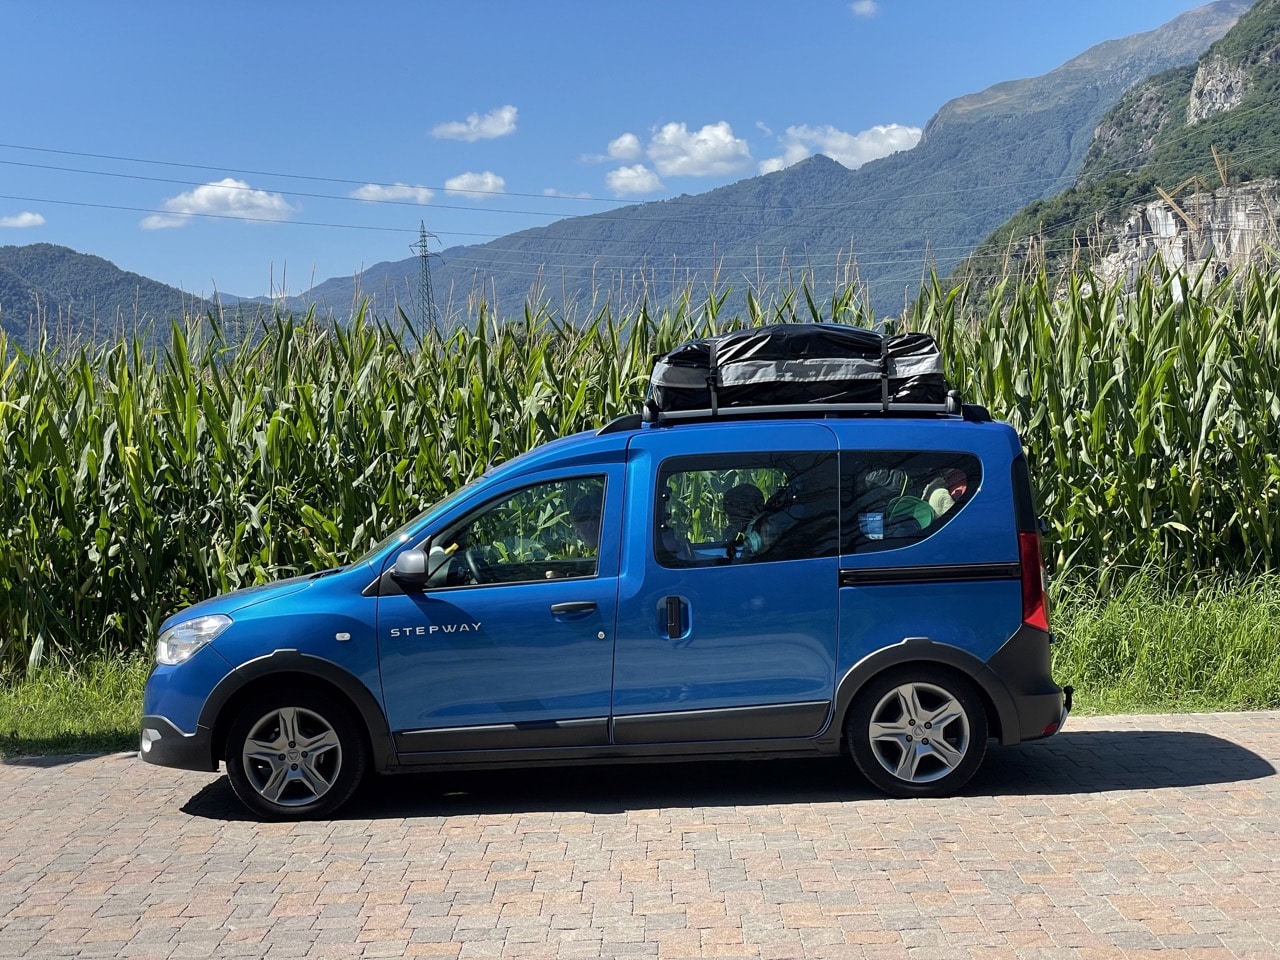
506, 736
782, 721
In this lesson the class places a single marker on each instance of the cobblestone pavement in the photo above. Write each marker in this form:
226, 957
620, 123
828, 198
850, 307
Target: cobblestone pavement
1129, 837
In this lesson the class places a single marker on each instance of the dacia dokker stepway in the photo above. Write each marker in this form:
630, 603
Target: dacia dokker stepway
746, 581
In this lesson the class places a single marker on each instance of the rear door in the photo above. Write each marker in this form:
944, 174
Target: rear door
727, 623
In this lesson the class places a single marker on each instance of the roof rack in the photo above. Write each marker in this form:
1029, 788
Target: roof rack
952, 406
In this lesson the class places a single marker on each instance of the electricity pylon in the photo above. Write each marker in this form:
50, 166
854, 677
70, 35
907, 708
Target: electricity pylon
427, 316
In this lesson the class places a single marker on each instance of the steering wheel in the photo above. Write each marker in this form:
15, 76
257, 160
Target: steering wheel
480, 568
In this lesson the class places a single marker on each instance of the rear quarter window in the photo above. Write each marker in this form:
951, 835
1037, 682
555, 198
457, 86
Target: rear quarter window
895, 498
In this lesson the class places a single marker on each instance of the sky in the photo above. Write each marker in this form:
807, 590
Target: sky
259, 148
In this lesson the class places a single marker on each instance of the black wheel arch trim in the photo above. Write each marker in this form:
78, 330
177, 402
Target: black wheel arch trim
307, 665
925, 650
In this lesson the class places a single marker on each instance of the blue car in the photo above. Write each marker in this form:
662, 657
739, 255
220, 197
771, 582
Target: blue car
754, 584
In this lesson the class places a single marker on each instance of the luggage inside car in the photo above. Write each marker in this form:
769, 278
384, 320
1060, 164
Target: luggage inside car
798, 363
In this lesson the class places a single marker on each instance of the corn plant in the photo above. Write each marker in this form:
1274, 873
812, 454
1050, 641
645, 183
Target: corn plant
135, 481
1149, 415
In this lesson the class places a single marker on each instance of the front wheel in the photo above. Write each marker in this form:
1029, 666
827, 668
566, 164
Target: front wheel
295, 754
918, 732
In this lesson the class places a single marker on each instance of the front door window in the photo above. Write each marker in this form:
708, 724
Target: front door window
548, 531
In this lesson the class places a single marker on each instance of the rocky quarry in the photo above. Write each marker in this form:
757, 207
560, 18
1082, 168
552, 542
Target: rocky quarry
1211, 232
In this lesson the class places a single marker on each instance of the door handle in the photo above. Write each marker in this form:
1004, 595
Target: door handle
573, 606
675, 618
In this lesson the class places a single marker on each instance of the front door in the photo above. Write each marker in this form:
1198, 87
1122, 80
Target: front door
511, 643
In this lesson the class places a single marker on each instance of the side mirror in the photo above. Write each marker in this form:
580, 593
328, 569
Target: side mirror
419, 568
411, 568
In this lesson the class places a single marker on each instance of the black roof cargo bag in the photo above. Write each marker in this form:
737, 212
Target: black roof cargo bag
798, 363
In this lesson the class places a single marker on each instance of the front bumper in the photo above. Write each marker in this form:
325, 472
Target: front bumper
165, 745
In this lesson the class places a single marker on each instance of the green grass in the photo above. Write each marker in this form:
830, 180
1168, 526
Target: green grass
1143, 648
93, 707
1146, 647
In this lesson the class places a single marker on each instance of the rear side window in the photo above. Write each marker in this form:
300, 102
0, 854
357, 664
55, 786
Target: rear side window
895, 498
746, 508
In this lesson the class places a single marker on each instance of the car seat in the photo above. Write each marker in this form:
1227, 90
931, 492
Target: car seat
741, 504
796, 522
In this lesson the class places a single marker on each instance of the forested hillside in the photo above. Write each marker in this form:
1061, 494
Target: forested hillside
70, 295
1208, 126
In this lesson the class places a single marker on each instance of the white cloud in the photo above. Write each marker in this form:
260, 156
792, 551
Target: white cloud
476, 186
633, 180
162, 221
625, 147
22, 220
553, 192
393, 192
494, 124
225, 198
864, 8
793, 153
850, 149
711, 151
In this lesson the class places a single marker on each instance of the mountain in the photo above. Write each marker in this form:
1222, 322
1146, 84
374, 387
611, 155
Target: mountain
1185, 166
72, 296
982, 158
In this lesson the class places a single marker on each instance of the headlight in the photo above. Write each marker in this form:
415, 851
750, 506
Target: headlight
178, 643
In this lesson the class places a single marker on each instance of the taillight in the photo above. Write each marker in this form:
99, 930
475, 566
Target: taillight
1035, 601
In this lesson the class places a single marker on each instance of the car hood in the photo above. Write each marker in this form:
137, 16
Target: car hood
229, 603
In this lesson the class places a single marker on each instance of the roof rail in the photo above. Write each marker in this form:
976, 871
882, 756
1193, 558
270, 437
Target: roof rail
630, 421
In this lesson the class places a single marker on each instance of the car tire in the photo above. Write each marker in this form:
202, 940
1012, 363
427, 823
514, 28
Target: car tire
295, 754
918, 731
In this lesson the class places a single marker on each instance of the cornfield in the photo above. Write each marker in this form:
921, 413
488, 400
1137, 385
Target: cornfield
1151, 418
135, 482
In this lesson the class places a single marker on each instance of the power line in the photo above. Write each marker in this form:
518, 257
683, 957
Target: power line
260, 173
213, 216
551, 257
700, 201
291, 193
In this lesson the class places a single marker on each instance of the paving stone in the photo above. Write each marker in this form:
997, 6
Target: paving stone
1124, 837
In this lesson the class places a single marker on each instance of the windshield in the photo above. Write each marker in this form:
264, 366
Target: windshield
401, 533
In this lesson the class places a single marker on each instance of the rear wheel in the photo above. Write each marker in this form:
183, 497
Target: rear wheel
295, 754
918, 731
